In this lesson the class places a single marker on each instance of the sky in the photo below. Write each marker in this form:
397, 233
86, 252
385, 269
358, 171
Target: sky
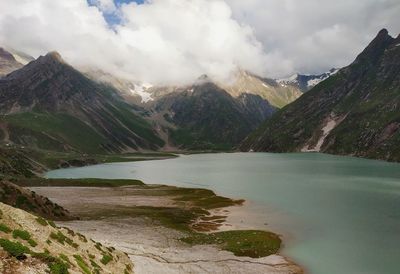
176, 41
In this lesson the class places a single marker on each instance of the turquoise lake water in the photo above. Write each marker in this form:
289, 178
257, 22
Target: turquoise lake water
341, 214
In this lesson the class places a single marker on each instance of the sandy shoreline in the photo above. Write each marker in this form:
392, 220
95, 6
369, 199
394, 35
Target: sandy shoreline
152, 247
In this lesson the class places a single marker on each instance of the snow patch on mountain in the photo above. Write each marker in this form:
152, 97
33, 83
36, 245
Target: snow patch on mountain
306, 81
318, 79
141, 90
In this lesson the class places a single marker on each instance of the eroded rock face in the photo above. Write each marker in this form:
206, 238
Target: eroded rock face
366, 93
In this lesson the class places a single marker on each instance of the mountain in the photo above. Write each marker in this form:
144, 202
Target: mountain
241, 83
204, 116
25, 199
305, 82
48, 104
21, 57
354, 112
269, 89
8, 63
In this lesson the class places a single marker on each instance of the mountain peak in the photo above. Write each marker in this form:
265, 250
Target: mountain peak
383, 32
55, 56
376, 48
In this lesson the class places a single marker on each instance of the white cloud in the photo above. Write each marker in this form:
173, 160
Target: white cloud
162, 41
175, 41
312, 36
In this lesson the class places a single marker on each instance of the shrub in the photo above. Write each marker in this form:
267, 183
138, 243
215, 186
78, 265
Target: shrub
42, 221
45, 257
5, 228
23, 234
58, 268
98, 246
15, 249
81, 263
51, 223
32, 242
59, 237
65, 258
106, 259
94, 264
82, 237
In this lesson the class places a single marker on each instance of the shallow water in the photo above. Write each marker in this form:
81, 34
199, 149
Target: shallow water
339, 214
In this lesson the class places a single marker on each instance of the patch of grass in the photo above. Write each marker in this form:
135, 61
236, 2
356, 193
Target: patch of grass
32, 242
45, 257
41, 221
128, 269
51, 223
4, 228
58, 268
99, 246
22, 234
82, 237
94, 264
106, 259
60, 237
15, 249
82, 264
250, 243
65, 258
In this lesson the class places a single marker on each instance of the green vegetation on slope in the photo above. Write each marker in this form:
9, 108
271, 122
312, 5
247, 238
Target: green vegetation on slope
362, 101
249, 243
61, 129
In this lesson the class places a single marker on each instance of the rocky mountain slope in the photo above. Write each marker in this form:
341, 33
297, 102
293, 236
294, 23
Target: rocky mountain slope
269, 89
354, 112
30, 244
242, 82
8, 63
305, 82
48, 104
25, 199
204, 116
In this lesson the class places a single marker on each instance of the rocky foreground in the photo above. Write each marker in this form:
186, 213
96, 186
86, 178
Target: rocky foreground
31, 244
170, 230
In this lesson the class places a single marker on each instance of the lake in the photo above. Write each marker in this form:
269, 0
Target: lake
337, 214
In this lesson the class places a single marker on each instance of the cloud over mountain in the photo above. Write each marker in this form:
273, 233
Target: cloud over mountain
164, 41
175, 41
